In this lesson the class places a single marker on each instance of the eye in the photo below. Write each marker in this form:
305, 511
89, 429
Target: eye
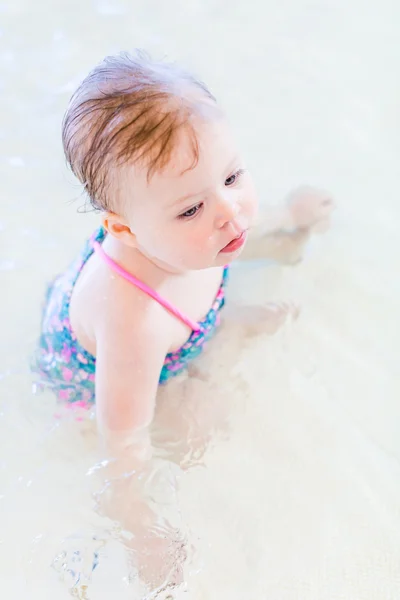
192, 212
234, 178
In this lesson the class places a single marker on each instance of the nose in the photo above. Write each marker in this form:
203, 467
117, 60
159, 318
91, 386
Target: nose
227, 208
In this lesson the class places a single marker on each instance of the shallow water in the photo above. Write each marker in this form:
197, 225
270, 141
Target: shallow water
290, 486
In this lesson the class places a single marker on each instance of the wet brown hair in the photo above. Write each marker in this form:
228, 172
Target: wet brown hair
129, 107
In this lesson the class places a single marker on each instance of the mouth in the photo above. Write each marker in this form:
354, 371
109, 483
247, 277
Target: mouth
235, 244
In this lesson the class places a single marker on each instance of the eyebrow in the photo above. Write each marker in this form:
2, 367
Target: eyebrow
183, 199
186, 198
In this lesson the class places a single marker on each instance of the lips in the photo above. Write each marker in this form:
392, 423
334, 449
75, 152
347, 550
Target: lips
236, 243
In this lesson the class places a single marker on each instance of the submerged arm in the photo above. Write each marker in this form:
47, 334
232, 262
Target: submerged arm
283, 230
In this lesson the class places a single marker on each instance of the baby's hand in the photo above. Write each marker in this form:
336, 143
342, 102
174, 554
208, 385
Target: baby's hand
160, 559
158, 548
310, 208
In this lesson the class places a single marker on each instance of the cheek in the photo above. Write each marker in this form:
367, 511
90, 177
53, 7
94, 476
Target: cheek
251, 198
191, 240
172, 241
188, 238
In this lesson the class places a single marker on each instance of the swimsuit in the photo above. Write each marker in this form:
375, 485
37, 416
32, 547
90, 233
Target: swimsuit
67, 367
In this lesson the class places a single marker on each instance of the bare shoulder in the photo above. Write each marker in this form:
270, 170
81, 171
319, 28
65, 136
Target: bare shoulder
127, 312
105, 305
131, 342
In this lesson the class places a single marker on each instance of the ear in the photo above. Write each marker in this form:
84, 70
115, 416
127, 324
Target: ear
116, 226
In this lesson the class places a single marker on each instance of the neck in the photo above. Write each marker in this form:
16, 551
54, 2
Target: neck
135, 260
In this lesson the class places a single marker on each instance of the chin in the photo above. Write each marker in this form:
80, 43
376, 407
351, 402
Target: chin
228, 257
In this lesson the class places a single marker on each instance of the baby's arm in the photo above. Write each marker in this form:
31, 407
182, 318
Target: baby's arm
282, 231
129, 358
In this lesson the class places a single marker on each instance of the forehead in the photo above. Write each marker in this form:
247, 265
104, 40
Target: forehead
197, 160
210, 138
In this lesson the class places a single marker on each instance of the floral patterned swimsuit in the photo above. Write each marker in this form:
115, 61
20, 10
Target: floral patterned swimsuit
64, 365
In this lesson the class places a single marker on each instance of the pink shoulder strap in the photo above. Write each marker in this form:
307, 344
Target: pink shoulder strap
145, 288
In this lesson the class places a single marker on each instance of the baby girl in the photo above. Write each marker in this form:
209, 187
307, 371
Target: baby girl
159, 162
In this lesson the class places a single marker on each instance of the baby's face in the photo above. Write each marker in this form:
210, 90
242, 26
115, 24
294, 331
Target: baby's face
187, 219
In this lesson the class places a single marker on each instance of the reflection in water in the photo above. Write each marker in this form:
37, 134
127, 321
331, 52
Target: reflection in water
143, 509
159, 549
192, 415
